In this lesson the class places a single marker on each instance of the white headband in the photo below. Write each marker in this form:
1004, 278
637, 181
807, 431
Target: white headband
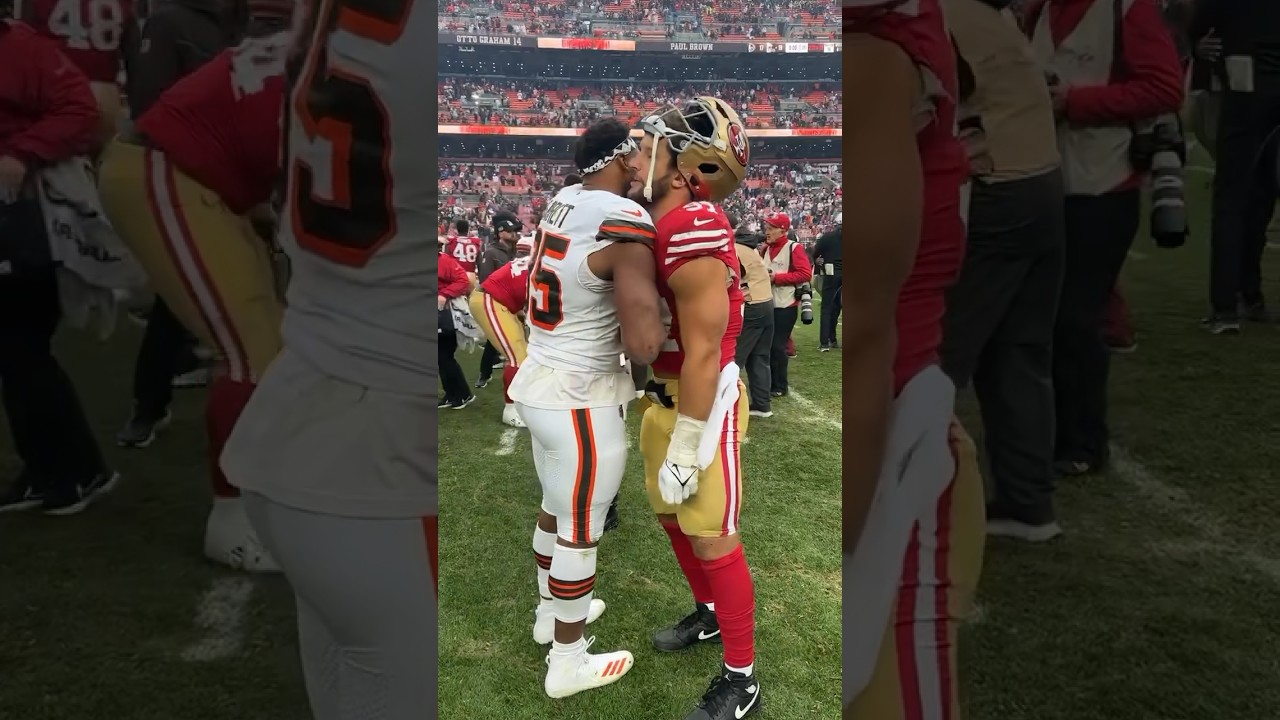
624, 148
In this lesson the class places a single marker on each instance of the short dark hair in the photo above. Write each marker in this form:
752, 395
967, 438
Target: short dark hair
572, 179
463, 227
733, 220
599, 141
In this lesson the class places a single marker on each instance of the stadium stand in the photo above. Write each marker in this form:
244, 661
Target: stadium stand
513, 96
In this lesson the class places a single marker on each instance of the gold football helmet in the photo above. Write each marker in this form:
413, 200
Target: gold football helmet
709, 142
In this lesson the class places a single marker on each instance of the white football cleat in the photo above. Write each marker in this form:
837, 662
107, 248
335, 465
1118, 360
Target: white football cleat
571, 674
544, 624
511, 416
229, 539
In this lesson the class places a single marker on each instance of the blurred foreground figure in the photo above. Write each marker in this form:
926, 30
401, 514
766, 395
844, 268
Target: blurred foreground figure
915, 553
336, 450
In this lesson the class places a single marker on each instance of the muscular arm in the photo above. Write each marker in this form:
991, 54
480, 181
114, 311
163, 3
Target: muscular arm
703, 307
883, 197
636, 296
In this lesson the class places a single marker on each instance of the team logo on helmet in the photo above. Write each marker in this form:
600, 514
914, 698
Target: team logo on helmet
738, 143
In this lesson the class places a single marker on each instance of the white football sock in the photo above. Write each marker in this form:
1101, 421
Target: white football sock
544, 546
572, 582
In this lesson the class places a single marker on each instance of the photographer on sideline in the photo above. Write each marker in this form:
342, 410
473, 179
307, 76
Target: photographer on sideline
789, 268
756, 339
1112, 69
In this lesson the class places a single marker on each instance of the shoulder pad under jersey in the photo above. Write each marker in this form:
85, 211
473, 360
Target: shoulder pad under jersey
626, 221
695, 230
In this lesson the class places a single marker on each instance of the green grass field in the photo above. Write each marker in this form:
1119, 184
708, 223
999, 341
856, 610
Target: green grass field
490, 668
1158, 604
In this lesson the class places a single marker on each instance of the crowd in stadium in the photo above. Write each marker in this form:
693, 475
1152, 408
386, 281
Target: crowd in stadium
809, 194
644, 18
540, 103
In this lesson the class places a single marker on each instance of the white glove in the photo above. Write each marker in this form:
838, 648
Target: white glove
678, 476
677, 482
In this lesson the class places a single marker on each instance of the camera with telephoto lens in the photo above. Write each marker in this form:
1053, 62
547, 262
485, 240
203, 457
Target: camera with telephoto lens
805, 292
1160, 149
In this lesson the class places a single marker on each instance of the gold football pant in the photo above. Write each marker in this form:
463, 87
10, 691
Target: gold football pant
715, 509
205, 261
915, 677
504, 332
501, 327
208, 266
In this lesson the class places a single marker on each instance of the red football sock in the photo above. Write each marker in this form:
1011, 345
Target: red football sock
508, 374
735, 596
227, 399
689, 563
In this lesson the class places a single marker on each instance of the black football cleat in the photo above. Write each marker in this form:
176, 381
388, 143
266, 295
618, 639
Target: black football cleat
700, 626
731, 696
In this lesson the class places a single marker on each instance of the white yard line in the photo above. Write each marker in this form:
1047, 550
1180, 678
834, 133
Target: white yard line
507, 443
1168, 499
221, 616
815, 414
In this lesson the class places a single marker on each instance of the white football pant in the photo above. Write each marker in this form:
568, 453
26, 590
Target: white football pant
580, 456
366, 595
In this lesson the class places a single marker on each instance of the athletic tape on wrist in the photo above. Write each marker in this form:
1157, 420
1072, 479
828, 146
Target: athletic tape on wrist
685, 437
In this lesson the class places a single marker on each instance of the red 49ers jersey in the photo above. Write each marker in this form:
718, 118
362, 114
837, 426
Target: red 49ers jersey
466, 250
917, 27
696, 230
509, 285
221, 124
89, 31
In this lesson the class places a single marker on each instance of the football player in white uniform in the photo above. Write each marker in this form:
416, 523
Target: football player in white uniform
336, 452
591, 297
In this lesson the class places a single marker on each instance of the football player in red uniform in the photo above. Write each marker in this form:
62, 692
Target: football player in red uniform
497, 305
914, 555
93, 35
182, 192
465, 247
691, 158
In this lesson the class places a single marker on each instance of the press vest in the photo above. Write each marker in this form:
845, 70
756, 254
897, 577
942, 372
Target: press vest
1095, 160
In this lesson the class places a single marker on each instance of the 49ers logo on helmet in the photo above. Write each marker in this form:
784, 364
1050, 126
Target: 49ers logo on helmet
738, 143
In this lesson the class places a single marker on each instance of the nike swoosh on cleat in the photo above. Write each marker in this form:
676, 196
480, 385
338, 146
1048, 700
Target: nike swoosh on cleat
704, 635
740, 711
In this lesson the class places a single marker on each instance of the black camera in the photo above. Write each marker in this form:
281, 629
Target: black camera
1160, 149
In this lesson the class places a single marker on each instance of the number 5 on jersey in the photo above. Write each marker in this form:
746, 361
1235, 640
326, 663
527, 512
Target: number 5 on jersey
546, 309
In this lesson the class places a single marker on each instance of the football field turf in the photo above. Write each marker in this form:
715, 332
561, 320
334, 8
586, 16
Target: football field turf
1158, 603
490, 668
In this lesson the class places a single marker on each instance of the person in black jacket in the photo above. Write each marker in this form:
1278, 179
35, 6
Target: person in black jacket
1244, 44
828, 264
177, 38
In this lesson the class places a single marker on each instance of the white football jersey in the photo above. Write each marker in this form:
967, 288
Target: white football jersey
575, 341
357, 229
573, 324
343, 422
